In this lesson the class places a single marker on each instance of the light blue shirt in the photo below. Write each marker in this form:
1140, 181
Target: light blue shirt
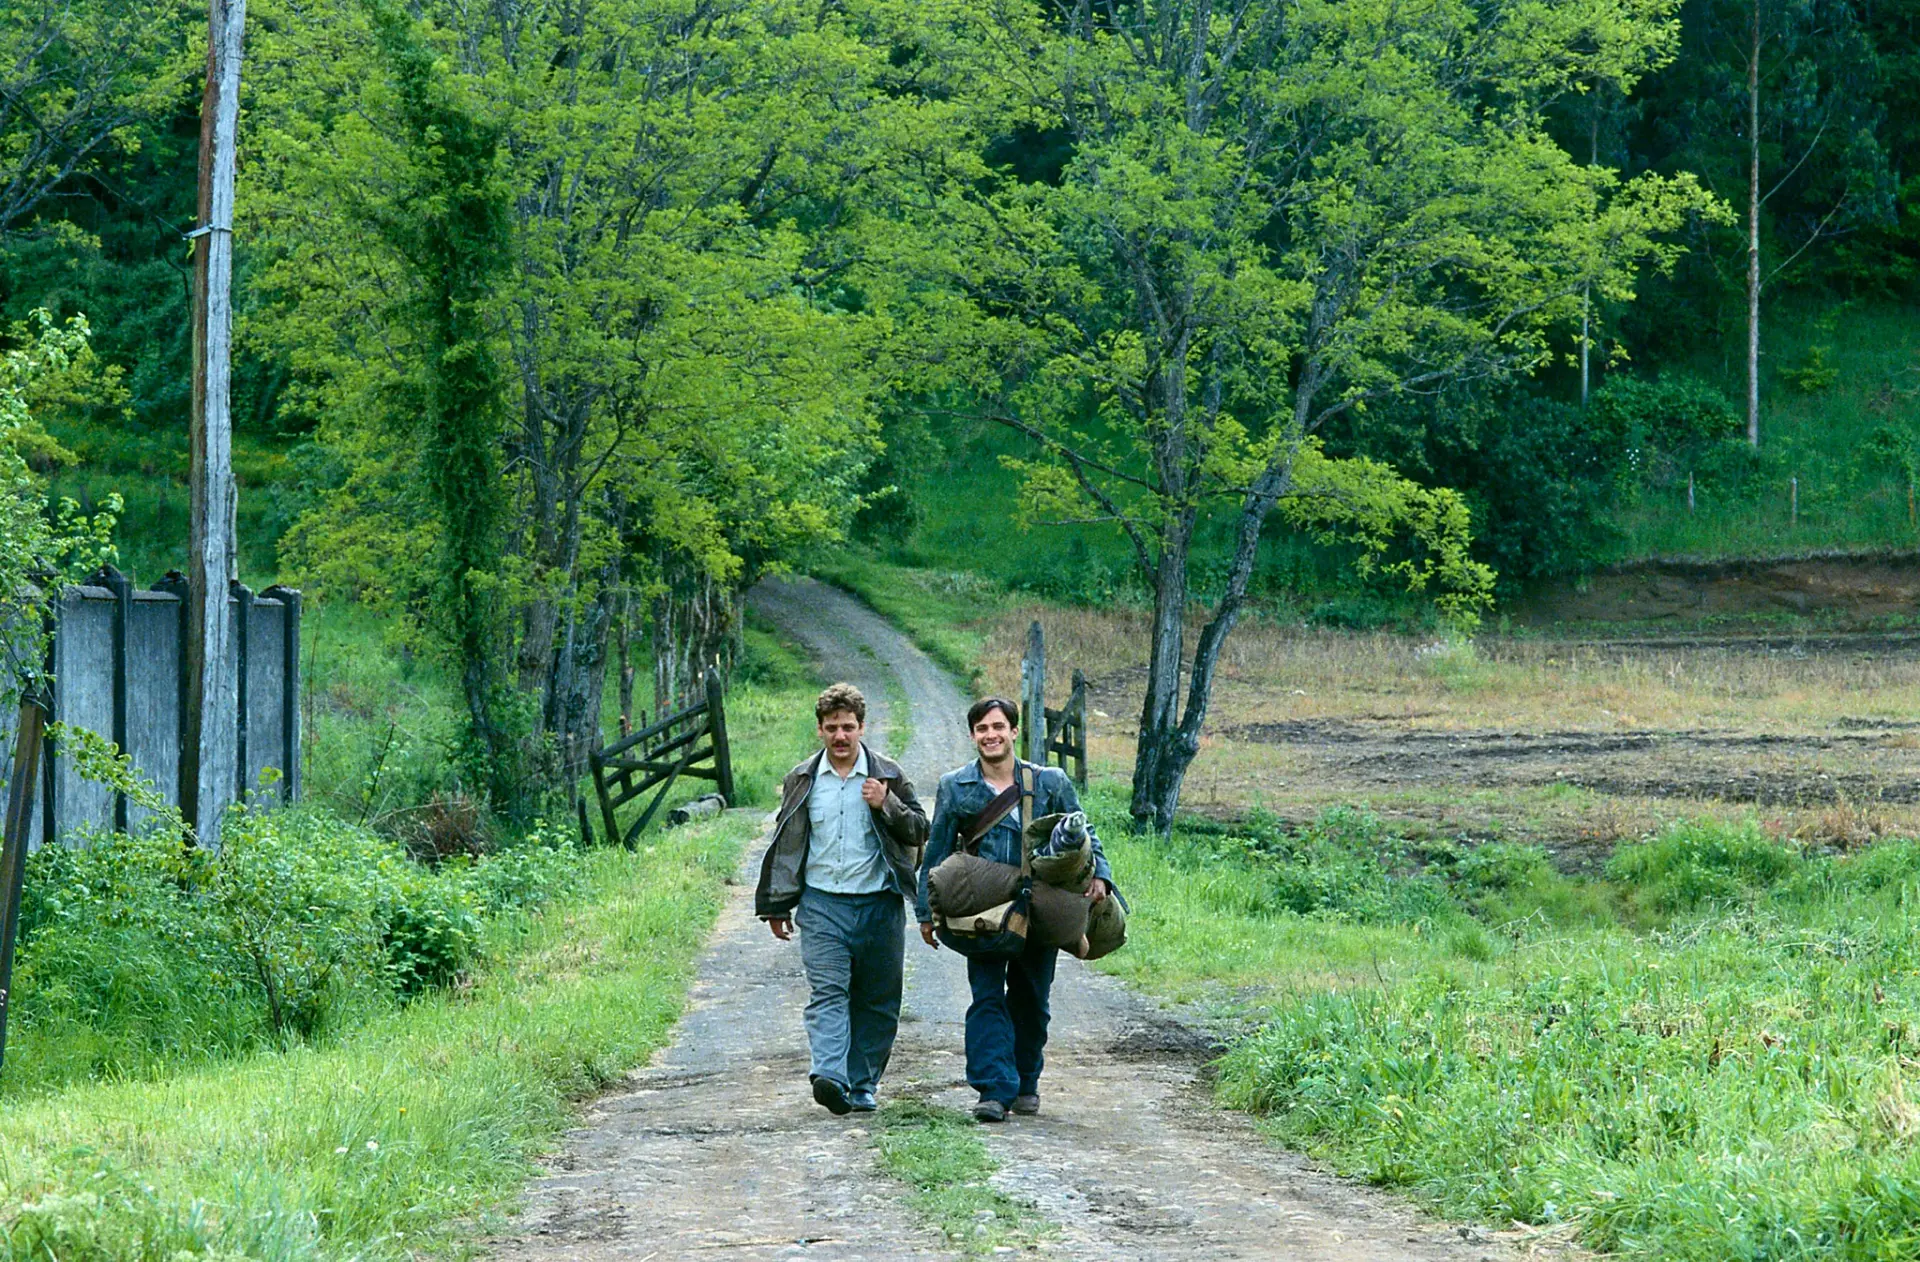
843, 854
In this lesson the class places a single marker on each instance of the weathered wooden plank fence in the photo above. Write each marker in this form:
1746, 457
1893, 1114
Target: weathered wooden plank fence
1052, 736
659, 754
118, 667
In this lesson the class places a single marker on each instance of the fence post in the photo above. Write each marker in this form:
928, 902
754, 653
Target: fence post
1033, 695
289, 599
174, 584
717, 733
1077, 707
242, 641
13, 844
122, 588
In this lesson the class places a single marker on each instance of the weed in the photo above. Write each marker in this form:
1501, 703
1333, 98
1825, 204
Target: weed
939, 1153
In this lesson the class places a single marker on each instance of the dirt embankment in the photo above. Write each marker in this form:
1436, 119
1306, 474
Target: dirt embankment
1845, 588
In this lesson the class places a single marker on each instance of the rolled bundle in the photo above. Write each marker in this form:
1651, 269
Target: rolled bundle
1106, 927
964, 884
1059, 916
1062, 850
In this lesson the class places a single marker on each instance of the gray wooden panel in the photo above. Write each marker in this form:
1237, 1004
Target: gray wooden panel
83, 697
266, 689
153, 695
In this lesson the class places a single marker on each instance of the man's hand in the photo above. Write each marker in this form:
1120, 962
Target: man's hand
782, 927
874, 793
1098, 890
926, 934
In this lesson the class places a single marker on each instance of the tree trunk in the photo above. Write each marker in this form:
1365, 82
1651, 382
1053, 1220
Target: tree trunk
1753, 233
624, 638
1160, 757
694, 625
580, 676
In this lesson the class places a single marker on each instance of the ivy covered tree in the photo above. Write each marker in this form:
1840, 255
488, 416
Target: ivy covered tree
692, 362
1265, 216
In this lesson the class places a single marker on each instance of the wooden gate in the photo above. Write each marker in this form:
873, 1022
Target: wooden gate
1052, 736
659, 754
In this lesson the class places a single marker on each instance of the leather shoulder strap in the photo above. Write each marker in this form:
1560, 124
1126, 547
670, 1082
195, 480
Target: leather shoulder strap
1026, 817
991, 814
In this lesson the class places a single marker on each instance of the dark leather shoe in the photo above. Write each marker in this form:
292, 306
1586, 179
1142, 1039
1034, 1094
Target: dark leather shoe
862, 1101
1026, 1105
989, 1111
831, 1094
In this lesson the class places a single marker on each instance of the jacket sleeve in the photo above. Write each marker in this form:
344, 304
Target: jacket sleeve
939, 846
903, 815
1067, 799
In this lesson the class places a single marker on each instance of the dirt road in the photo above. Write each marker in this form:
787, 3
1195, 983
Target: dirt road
717, 1150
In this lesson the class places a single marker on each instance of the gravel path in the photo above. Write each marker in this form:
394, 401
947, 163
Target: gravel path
717, 1150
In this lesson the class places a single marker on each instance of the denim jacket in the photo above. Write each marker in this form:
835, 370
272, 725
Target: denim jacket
964, 793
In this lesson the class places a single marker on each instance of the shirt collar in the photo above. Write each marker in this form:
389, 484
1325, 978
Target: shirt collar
859, 765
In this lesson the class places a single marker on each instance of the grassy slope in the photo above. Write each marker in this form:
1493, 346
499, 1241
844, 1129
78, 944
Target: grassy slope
1847, 500
376, 1145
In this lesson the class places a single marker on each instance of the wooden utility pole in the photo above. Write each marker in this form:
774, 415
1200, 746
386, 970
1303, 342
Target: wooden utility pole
209, 775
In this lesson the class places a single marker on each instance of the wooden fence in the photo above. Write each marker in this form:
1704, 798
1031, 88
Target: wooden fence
119, 669
658, 755
1052, 736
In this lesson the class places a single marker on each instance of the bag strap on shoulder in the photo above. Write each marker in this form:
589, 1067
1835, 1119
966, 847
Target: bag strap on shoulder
1026, 817
990, 814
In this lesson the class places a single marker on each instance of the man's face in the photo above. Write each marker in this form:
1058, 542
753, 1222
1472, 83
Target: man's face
840, 732
993, 735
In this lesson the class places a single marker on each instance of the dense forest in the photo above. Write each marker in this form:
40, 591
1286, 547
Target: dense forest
561, 324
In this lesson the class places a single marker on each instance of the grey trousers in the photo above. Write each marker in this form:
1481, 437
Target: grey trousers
853, 947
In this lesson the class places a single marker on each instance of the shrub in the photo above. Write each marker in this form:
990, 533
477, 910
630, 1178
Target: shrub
1701, 862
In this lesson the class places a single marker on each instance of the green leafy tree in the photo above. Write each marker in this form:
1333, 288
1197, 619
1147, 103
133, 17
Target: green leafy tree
39, 544
1271, 215
692, 359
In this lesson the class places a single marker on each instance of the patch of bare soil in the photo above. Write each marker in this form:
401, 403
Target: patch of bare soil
1843, 586
717, 1151
1856, 763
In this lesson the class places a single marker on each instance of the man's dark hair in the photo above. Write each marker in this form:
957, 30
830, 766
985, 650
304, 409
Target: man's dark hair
840, 697
987, 705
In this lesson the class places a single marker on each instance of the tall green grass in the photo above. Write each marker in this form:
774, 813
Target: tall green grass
1705, 1055
381, 1143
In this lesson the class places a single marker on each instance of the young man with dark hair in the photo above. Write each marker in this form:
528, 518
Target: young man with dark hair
845, 845
1007, 1020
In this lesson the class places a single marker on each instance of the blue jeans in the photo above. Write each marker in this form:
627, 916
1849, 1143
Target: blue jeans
853, 946
1007, 1023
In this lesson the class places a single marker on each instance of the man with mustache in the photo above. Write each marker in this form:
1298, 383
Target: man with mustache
846, 841
1007, 1020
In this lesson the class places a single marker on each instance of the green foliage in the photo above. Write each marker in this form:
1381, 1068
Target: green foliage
391, 1140
1730, 1081
43, 364
141, 951
1701, 864
450, 222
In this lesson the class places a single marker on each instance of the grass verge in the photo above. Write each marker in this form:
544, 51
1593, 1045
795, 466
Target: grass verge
1703, 1054
939, 1153
393, 1140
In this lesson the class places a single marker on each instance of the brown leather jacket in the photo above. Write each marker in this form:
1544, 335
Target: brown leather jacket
901, 822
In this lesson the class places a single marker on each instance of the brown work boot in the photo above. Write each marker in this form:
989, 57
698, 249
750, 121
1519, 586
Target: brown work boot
989, 1111
1026, 1105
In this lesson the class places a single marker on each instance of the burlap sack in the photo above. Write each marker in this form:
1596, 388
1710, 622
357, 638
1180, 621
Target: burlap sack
1062, 858
1059, 916
1106, 926
965, 883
